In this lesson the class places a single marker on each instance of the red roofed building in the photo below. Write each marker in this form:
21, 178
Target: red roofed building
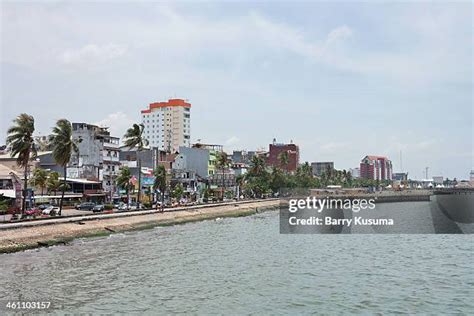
168, 124
376, 168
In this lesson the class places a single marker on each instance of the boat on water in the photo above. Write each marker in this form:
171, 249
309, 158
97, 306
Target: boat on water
457, 204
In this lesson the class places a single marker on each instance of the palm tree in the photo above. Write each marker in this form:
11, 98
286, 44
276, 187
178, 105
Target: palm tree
257, 178
257, 165
284, 160
160, 184
124, 181
222, 162
64, 146
53, 184
21, 143
39, 179
134, 138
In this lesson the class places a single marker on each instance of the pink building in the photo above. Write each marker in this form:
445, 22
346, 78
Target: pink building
376, 168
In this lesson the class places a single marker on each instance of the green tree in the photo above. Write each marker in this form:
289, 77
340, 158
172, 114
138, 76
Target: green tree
160, 184
222, 163
284, 160
304, 176
134, 138
53, 183
39, 179
349, 179
178, 191
64, 146
21, 143
124, 181
257, 178
277, 179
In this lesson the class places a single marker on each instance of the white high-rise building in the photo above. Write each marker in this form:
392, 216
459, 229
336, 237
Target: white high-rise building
168, 124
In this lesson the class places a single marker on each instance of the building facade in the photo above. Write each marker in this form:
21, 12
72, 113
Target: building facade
376, 168
400, 176
110, 165
98, 157
276, 149
168, 124
321, 167
355, 173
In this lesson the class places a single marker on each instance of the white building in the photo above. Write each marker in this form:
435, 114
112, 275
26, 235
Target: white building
168, 124
98, 157
355, 172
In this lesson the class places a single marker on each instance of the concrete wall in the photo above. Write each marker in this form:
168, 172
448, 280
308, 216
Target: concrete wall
196, 159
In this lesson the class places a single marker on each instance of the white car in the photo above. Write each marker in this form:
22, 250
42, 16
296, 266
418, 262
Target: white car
51, 210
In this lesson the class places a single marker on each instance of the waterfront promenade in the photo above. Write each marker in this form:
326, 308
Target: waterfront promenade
27, 235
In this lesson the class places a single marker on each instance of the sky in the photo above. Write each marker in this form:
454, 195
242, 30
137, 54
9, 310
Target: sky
340, 79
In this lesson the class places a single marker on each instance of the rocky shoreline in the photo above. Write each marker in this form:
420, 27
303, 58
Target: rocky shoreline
18, 239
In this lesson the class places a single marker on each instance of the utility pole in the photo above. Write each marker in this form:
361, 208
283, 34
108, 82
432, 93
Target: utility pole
401, 162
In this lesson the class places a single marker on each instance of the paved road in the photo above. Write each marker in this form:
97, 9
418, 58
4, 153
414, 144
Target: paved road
89, 215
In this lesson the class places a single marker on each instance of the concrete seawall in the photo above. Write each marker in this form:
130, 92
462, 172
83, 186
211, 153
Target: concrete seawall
384, 197
19, 237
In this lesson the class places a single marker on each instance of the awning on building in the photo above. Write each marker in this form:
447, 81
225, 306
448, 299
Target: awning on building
8, 193
57, 196
95, 194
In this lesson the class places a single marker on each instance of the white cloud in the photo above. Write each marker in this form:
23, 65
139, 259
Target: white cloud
339, 34
333, 147
117, 123
92, 54
232, 141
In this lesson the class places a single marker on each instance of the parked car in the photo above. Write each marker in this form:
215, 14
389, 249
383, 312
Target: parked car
98, 208
51, 210
85, 206
122, 207
44, 206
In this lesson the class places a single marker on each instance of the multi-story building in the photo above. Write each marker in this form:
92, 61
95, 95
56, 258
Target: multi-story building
98, 157
11, 185
214, 150
376, 168
276, 149
168, 124
200, 157
150, 159
400, 176
321, 167
111, 164
355, 172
